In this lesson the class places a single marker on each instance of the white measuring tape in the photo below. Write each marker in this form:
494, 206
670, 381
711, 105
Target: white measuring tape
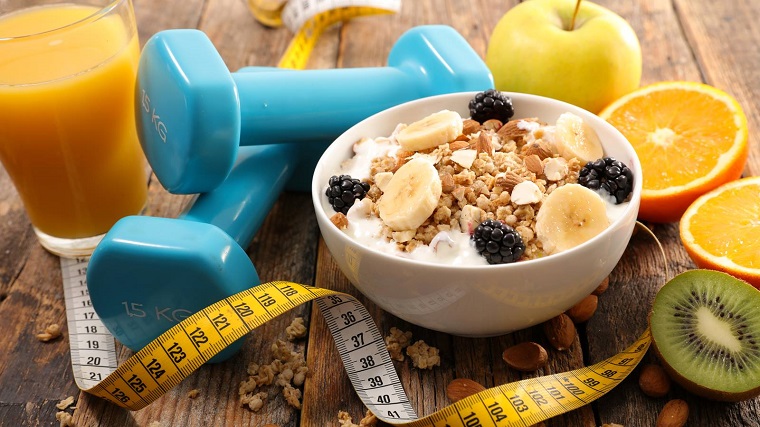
93, 349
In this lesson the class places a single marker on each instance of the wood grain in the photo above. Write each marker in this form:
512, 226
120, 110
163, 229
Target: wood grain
709, 41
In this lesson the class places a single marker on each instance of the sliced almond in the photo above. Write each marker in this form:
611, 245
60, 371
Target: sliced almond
461, 388
525, 357
464, 158
560, 331
555, 168
526, 193
583, 311
492, 124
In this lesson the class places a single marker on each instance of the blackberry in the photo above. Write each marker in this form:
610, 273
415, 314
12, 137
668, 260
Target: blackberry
610, 175
498, 242
343, 191
491, 104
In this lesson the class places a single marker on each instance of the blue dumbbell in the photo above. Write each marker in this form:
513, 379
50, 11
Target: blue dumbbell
149, 273
192, 113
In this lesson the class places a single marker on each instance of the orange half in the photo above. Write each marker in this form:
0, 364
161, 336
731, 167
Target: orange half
690, 138
721, 230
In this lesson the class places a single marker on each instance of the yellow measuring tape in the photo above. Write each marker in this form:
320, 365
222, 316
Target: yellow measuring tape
178, 352
309, 19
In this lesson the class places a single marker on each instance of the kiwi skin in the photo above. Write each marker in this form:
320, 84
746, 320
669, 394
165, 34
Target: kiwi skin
689, 385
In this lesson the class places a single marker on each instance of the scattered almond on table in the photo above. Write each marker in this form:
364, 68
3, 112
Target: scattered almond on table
461, 388
525, 357
560, 331
675, 413
654, 381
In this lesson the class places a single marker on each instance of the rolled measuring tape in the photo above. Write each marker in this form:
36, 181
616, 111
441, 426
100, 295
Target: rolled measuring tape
308, 19
181, 350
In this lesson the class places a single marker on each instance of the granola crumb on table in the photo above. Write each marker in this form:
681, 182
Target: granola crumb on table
345, 420
51, 332
66, 419
65, 403
296, 329
423, 356
396, 342
287, 371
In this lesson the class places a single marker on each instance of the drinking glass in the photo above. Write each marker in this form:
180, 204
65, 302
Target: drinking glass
67, 129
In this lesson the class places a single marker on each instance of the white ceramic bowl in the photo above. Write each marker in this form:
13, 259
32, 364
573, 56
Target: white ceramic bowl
475, 300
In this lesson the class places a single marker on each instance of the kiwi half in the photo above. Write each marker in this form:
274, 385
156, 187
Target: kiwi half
706, 331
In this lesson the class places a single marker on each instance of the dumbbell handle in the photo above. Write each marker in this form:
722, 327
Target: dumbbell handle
269, 117
241, 203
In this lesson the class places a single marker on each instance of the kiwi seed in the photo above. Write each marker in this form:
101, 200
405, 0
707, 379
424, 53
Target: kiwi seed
706, 330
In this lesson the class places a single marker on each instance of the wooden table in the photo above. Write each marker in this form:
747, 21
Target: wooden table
711, 41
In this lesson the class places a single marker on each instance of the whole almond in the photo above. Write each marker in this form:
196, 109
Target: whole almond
673, 414
508, 180
602, 288
539, 148
654, 381
460, 388
459, 144
560, 331
533, 164
583, 311
526, 356
470, 126
483, 144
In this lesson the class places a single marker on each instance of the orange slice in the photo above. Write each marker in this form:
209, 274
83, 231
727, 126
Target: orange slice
689, 137
721, 230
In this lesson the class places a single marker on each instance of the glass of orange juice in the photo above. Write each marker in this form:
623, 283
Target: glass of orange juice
67, 129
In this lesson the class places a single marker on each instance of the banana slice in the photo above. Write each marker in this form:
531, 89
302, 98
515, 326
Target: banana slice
576, 138
411, 195
432, 131
569, 216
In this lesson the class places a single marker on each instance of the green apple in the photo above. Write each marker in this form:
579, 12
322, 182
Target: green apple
578, 52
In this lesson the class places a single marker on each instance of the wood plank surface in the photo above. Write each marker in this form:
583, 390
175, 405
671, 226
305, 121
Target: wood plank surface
698, 40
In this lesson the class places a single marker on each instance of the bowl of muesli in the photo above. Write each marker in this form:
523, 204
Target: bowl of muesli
478, 213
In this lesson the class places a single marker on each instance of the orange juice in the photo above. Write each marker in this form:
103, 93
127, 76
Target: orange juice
67, 128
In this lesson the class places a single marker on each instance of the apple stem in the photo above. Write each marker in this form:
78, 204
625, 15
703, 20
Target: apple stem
575, 13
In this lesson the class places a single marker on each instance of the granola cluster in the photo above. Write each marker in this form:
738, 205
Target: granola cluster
491, 171
287, 371
422, 355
